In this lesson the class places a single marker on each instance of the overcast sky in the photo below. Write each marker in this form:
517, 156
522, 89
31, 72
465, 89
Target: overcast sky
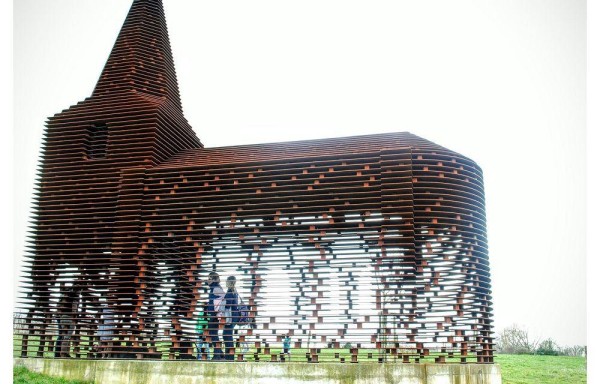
502, 82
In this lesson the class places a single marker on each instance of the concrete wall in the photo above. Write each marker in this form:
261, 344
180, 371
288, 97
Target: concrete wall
195, 372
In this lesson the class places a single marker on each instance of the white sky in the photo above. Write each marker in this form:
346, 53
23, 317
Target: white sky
502, 82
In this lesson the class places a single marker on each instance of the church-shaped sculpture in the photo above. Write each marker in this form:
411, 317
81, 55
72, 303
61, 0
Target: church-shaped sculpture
371, 246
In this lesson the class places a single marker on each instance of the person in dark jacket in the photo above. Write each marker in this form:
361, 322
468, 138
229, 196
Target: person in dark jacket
215, 296
67, 315
232, 318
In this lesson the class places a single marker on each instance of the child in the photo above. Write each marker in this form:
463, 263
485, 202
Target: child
202, 347
286, 344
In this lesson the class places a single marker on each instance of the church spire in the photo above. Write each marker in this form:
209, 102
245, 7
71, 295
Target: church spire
141, 58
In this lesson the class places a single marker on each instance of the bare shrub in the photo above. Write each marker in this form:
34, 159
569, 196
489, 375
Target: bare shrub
576, 350
515, 340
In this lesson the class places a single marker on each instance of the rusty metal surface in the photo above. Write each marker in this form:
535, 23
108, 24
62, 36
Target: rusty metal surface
360, 248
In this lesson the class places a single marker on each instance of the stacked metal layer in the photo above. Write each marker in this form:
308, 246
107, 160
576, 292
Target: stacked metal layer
359, 248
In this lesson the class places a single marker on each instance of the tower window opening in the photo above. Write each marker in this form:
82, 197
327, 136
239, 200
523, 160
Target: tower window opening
97, 141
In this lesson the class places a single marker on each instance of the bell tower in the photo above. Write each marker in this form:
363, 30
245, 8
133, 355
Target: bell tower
95, 154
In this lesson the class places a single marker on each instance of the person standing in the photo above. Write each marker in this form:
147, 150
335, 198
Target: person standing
106, 331
286, 344
215, 297
232, 317
202, 347
67, 307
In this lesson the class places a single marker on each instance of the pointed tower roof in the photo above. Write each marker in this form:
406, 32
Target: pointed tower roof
141, 58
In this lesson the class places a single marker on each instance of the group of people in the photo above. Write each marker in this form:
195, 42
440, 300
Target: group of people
66, 318
222, 307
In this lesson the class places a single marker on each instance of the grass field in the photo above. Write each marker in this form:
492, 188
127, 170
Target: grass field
22, 375
297, 354
532, 369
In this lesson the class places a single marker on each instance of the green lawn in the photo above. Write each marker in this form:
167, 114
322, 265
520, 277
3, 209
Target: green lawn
22, 375
532, 369
297, 354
